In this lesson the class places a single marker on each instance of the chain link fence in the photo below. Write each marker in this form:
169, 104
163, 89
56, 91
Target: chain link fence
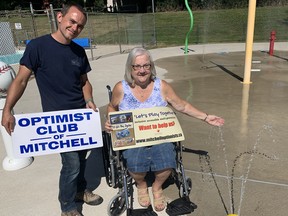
122, 31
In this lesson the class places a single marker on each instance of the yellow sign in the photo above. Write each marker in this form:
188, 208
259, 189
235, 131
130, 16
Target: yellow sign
144, 127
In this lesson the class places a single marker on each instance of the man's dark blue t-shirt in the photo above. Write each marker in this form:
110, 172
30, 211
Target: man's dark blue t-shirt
57, 70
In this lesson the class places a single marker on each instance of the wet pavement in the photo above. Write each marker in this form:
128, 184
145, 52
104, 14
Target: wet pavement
238, 168
244, 169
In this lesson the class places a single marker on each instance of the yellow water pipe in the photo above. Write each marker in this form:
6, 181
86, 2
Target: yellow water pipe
249, 41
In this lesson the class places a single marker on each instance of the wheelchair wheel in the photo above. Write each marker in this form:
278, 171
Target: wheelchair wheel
117, 205
182, 188
106, 158
111, 172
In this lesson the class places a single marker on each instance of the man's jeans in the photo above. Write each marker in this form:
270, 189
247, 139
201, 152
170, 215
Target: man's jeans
71, 178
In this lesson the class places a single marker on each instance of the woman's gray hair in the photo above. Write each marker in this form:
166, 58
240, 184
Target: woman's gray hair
137, 51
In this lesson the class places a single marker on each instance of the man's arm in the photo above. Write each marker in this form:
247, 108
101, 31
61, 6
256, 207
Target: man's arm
88, 92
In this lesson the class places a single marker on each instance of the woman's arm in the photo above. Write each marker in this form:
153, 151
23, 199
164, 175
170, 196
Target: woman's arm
185, 107
117, 96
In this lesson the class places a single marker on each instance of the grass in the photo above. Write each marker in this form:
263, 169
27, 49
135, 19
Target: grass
168, 28
221, 25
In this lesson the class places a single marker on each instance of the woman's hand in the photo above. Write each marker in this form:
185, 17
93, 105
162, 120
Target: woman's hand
214, 120
108, 126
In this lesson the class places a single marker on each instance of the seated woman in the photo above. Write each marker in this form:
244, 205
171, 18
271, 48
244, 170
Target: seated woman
142, 89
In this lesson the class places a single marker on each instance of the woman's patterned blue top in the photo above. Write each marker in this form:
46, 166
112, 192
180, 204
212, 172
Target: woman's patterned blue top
130, 102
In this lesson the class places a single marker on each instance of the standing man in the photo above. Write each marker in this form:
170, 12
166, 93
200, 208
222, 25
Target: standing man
60, 67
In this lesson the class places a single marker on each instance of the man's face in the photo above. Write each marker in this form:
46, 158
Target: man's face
71, 24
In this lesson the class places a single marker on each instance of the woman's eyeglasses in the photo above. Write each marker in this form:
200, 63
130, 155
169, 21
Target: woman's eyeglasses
138, 67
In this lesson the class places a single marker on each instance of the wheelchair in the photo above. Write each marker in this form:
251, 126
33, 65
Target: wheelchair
117, 176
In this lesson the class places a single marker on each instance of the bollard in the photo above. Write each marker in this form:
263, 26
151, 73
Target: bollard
10, 162
272, 41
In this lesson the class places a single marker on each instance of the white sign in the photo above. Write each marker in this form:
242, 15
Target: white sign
55, 132
18, 26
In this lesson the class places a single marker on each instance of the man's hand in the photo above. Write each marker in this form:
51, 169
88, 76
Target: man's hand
8, 122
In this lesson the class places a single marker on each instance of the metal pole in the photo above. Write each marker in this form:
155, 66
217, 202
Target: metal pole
55, 24
33, 20
119, 33
154, 24
249, 41
49, 20
90, 36
31, 8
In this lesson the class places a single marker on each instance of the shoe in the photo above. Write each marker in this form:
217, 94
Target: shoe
89, 198
71, 213
159, 200
143, 197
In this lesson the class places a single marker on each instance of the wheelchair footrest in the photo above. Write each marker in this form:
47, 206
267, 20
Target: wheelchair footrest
180, 206
142, 212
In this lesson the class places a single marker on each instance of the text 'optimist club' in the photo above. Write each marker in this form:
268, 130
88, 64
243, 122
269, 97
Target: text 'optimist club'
53, 132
